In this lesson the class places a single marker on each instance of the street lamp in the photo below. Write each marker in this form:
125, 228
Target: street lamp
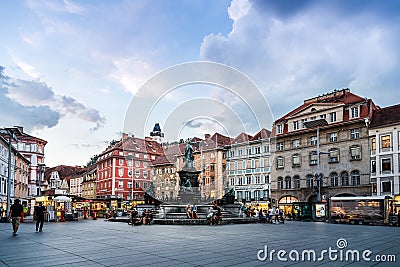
312, 124
11, 135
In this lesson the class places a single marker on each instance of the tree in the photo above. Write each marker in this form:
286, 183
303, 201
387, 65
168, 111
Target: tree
92, 161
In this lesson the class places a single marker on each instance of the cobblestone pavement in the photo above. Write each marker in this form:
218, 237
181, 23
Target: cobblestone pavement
102, 243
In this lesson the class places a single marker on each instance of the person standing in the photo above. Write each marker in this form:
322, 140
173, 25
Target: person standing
39, 214
15, 215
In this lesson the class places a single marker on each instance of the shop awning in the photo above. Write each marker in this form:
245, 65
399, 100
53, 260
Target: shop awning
62, 199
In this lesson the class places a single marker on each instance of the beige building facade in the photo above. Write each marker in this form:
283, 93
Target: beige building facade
343, 144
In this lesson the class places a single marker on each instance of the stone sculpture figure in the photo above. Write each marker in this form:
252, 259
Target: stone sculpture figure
188, 156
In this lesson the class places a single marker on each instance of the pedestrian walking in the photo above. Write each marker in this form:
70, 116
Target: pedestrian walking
38, 214
15, 215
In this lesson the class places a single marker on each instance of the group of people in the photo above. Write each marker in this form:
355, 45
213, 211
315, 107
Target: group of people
214, 214
272, 215
191, 212
17, 213
145, 218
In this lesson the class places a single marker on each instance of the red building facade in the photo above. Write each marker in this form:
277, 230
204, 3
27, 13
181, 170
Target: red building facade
123, 169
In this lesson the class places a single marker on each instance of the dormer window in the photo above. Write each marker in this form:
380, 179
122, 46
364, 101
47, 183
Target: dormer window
354, 112
295, 125
279, 128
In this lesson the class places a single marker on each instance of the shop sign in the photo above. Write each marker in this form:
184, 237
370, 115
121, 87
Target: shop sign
319, 210
248, 187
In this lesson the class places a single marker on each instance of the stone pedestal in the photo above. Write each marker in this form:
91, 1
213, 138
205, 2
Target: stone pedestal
189, 190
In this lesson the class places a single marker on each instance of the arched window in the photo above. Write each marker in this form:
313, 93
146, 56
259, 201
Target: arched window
296, 181
280, 183
288, 182
334, 179
344, 178
355, 177
310, 180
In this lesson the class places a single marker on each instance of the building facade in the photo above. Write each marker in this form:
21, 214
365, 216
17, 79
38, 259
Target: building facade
249, 166
384, 135
342, 142
21, 183
165, 179
210, 159
89, 182
32, 148
123, 169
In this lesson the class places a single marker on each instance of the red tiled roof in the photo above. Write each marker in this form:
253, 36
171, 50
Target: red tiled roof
343, 96
262, 134
242, 138
64, 172
386, 116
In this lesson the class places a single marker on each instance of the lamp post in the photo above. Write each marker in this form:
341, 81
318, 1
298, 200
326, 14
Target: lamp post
318, 124
11, 135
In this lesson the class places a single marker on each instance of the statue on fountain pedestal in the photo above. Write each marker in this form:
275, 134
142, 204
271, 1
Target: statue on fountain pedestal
188, 159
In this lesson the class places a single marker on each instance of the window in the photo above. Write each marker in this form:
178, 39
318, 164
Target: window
280, 183
322, 116
296, 160
295, 125
333, 137
386, 187
310, 181
333, 155
313, 118
288, 182
121, 162
332, 116
137, 173
279, 128
137, 163
313, 140
354, 112
302, 123
385, 141
137, 185
354, 133
120, 184
120, 172
279, 146
313, 158
129, 184
296, 181
334, 179
355, 153
373, 144
344, 178
355, 177
296, 143
248, 179
373, 166
280, 162
386, 165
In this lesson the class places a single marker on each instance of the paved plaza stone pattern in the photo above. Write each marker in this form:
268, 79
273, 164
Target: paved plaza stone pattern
103, 243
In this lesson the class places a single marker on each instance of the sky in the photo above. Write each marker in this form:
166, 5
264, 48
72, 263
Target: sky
75, 73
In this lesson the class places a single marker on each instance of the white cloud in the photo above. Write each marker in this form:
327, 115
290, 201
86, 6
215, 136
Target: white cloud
131, 73
238, 9
309, 51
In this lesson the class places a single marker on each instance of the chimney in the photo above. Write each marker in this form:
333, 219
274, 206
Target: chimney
207, 136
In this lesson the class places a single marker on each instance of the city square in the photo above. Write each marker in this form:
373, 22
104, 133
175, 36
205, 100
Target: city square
104, 243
